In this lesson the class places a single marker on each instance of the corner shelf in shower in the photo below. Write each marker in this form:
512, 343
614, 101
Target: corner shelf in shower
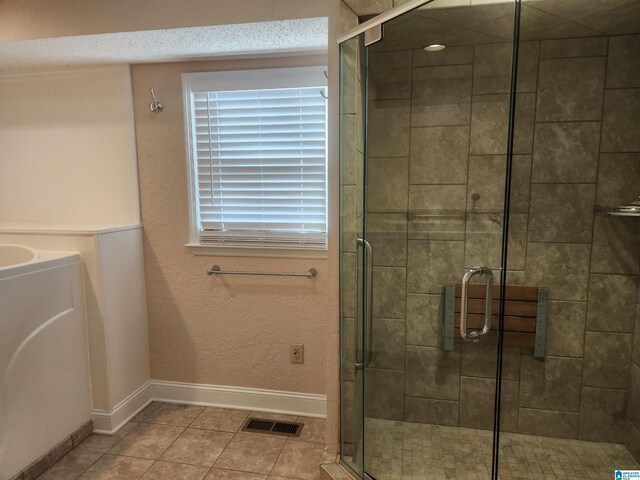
623, 211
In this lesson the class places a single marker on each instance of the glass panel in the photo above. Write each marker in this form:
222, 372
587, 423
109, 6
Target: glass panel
351, 274
579, 98
436, 161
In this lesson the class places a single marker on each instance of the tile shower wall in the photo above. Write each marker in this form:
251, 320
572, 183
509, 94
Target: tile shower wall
436, 157
632, 428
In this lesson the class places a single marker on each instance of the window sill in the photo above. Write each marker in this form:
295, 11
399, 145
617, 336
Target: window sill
264, 251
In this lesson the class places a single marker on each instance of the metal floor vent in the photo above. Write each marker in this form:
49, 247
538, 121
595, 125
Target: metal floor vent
259, 425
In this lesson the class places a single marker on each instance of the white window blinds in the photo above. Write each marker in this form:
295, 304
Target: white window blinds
260, 165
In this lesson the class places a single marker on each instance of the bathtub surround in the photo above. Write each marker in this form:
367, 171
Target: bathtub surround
570, 156
44, 377
115, 309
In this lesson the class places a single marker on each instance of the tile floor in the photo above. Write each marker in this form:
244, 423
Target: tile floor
181, 442
403, 451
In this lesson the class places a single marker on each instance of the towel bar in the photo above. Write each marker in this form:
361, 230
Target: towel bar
311, 273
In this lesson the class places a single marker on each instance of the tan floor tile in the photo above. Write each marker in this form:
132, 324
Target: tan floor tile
251, 452
301, 460
147, 440
71, 466
313, 430
103, 443
198, 447
111, 467
219, 474
146, 411
174, 414
175, 471
223, 419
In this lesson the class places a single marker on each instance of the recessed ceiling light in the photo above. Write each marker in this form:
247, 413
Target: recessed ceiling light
436, 47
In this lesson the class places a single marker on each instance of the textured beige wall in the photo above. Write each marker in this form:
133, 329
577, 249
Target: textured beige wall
68, 148
220, 330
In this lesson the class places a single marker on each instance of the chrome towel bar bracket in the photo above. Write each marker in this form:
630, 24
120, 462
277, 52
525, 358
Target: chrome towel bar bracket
311, 273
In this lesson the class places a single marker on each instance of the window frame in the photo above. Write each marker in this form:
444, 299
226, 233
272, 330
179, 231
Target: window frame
246, 80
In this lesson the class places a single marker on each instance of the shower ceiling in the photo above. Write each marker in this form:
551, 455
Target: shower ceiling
493, 23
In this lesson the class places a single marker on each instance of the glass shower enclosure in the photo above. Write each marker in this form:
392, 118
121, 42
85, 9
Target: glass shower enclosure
488, 300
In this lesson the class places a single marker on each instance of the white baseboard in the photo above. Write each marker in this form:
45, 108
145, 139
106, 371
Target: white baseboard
275, 401
109, 422
291, 403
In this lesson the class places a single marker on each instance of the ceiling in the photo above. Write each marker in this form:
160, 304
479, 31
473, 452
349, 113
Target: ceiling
468, 22
301, 35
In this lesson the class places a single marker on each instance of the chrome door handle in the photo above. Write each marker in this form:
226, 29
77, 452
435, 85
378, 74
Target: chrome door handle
368, 300
474, 335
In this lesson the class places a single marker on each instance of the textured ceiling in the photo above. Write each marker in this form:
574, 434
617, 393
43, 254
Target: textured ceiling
304, 35
463, 22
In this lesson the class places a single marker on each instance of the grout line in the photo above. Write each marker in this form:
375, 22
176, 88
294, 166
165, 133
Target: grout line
593, 230
406, 240
278, 457
588, 120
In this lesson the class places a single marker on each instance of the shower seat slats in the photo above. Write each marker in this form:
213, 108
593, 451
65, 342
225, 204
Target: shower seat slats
512, 308
522, 293
525, 321
516, 324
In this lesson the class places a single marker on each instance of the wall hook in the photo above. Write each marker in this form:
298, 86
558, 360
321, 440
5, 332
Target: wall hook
324, 95
155, 106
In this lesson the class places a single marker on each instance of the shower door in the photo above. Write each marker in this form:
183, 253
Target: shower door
426, 157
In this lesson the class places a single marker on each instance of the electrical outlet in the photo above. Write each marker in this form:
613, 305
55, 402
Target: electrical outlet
297, 353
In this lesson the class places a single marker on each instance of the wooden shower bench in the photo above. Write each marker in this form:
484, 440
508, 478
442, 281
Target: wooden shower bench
525, 320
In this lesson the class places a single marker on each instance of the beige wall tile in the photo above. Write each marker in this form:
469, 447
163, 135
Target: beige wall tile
441, 95
566, 152
434, 412
602, 415
623, 69
570, 89
561, 213
621, 120
604, 354
552, 384
548, 423
432, 373
566, 328
612, 303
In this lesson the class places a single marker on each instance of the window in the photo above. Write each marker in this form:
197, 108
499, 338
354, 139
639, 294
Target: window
257, 158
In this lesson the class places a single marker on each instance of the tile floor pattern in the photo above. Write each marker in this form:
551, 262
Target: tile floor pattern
182, 442
412, 451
